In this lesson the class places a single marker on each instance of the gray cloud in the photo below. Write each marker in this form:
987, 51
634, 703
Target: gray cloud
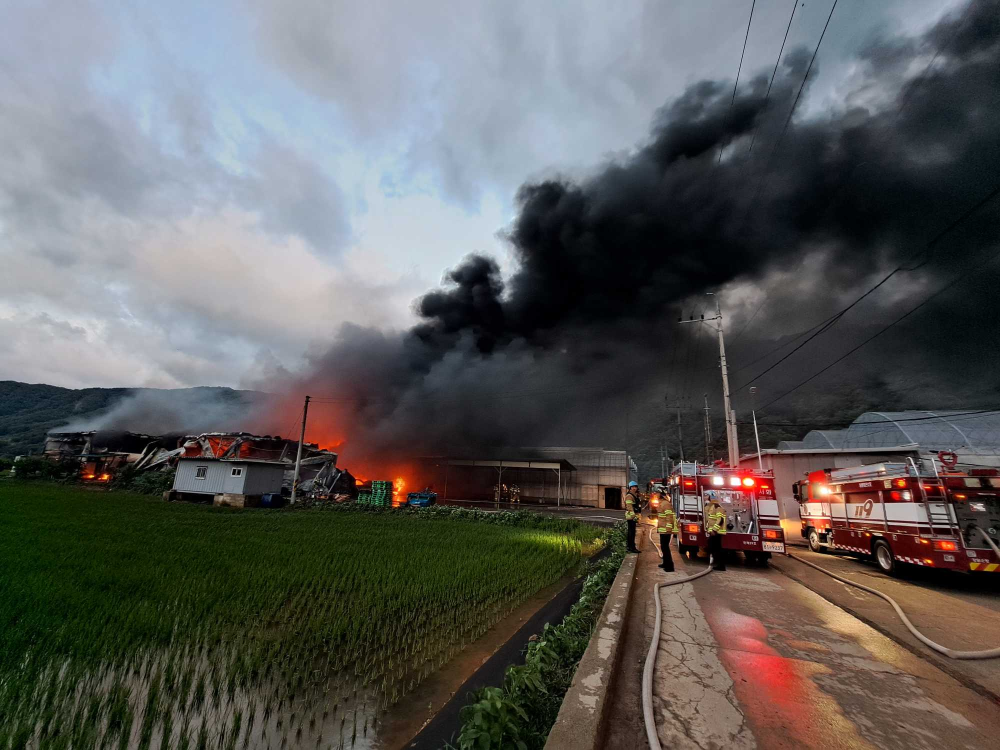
603, 263
125, 223
294, 195
484, 94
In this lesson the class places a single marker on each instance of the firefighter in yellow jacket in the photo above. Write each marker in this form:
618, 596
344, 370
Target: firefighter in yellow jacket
715, 527
666, 526
633, 512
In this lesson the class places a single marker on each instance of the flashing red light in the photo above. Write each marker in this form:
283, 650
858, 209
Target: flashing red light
748, 482
689, 483
765, 486
772, 534
692, 528
928, 561
959, 496
899, 482
944, 545
894, 495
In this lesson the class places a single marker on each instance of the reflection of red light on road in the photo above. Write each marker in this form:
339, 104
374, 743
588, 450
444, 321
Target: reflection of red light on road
777, 693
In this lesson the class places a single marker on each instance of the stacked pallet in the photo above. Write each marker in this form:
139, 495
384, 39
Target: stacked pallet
380, 494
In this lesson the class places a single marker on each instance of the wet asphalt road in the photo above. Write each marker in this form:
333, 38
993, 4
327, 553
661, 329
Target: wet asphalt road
957, 610
752, 658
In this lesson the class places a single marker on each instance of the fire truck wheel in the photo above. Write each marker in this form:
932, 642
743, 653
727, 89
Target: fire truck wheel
883, 557
814, 541
758, 559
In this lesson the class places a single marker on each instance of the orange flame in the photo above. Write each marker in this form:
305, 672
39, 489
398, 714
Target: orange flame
399, 485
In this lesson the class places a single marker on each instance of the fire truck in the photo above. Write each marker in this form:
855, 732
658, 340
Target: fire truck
909, 512
748, 499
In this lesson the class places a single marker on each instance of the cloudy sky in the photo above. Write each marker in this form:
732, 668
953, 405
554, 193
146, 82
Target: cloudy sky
196, 193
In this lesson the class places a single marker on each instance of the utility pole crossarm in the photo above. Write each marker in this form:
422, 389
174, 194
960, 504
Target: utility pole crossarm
731, 436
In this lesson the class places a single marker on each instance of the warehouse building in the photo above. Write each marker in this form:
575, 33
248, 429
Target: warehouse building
234, 482
593, 477
877, 437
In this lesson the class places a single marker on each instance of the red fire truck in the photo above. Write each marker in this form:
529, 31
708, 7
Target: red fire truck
905, 513
748, 499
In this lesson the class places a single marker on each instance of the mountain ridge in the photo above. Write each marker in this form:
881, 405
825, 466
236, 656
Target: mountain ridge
28, 411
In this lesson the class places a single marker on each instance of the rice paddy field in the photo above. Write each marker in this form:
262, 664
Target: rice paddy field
130, 622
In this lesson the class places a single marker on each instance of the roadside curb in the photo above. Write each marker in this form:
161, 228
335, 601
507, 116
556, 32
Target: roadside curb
914, 648
581, 719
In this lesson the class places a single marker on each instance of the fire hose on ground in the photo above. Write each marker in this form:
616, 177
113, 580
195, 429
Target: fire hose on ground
647, 671
993, 653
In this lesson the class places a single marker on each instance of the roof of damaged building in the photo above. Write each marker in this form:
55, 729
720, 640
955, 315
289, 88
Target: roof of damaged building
238, 446
208, 459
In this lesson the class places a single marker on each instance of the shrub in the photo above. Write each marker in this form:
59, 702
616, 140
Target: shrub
519, 715
39, 467
144, 482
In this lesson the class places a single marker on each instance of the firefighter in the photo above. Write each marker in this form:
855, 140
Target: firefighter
666, 525
715, 527
633, 511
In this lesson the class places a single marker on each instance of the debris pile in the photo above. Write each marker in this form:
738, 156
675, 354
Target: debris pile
102, 455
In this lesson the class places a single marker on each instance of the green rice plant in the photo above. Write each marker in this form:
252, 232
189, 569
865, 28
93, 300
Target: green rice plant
129, 622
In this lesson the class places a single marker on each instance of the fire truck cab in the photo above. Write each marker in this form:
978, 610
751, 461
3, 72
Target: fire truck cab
748, 499
905, 513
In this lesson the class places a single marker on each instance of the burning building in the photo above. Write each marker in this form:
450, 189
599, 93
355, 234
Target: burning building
318, 473
592, 477
100, 454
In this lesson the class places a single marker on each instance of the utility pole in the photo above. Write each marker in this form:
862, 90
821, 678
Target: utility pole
734, 453
756, 435
709, 456
298, 454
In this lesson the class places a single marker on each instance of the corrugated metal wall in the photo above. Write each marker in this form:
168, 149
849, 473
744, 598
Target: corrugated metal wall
255, 479
234, 484
261, 479
185, 481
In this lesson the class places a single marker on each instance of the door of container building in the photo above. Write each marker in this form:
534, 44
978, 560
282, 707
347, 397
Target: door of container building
613, 498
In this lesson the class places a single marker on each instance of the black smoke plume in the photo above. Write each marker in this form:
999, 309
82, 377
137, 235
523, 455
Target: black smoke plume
580, 344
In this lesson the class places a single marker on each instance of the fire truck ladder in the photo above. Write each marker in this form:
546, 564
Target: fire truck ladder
935, 519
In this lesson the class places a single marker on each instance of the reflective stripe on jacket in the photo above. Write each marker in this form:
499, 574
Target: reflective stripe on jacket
630, 504
667, 522
716, 522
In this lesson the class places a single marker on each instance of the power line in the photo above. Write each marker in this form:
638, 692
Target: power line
901, 318
774, 72
914, 85
927, 248
781, 346
791, 112
955, 417
774, 149
824, 327
738, 71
